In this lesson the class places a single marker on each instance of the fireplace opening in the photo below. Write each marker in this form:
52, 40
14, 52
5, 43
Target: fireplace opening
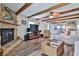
7, 35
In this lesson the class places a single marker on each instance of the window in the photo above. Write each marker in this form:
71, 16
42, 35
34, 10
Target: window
31, 22
77, 26
48, 26
63, 27
58, 27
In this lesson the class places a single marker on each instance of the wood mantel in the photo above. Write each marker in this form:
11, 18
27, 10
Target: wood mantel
9, 23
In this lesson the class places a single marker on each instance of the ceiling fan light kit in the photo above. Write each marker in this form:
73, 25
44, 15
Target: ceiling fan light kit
54, 14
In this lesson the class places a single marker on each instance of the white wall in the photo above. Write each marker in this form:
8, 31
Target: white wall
43, 26
51, 27
21, 30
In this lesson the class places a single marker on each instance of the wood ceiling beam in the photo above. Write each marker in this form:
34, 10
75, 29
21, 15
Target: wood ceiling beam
50, 9
69, 18
63, 17
58, 22
26, 5
64, 12
63, 20
68, 11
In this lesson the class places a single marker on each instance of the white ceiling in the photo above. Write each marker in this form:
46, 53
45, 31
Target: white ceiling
14, 6
67, 7
37, 7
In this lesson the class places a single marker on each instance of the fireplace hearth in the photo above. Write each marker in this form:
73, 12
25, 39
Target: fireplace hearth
7, 35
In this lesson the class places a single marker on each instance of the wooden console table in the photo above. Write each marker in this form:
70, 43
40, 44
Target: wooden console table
32, 35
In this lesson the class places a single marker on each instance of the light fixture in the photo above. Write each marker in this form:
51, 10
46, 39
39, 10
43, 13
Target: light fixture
50, 16
77, 26
54, 14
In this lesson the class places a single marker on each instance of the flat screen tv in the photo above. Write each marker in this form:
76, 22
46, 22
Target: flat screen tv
33, 27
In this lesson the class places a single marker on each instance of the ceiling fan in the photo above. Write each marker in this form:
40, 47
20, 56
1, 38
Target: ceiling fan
54, 14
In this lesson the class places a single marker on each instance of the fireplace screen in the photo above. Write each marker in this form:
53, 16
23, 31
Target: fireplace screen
7, 35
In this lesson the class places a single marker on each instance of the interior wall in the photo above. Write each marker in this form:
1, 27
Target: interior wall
43, 26
22, 29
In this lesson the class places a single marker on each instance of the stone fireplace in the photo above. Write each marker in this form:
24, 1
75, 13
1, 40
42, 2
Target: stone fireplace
8, 24
7, 33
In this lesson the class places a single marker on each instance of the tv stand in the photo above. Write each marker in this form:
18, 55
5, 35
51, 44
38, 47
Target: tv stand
32, 35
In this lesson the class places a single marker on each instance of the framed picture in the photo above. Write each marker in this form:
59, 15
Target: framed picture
24, 22
72, 23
